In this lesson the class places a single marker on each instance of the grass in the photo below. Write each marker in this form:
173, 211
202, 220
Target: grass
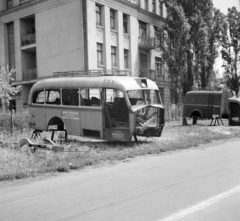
21, 163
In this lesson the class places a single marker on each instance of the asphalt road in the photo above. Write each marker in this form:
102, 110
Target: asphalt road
198, 184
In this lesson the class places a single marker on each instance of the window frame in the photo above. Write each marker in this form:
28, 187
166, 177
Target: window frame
154, 6
114, 56
48, 93
100, 58
142, 29
112, 19
125, 23
160, 8
98, 11
126, 59
158, 66
146, 5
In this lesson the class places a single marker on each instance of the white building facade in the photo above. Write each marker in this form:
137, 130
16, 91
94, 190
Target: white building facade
39, 37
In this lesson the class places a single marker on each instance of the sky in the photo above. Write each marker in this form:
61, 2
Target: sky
223, 5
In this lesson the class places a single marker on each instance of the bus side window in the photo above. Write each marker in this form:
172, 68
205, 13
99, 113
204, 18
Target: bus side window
38, 97
53, 97
90, 97
84, 97
94, 95
70, 97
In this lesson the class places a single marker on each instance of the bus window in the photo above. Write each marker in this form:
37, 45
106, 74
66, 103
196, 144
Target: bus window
111, 94
91, 96
70, 97
38, 97
142, 97
53, 97
116, 107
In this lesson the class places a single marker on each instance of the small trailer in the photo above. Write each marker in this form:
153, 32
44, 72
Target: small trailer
206, 105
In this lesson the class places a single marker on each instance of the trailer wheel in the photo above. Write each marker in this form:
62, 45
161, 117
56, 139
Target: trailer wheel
195, 116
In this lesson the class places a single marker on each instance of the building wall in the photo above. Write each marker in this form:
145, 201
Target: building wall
60, 42
59, 35
59, 39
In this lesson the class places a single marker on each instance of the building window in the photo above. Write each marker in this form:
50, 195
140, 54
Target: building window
99, 54
142, 28
146, 4
114, 56
11, 45
158, 66
125, 23
156, 35
154, 6
159, 35
126, 58
9, 4
98, 14
112, 19
160, 8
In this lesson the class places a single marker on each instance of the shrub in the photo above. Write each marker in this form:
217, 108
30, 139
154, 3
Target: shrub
10, 121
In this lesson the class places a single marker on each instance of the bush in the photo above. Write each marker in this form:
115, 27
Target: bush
10, 121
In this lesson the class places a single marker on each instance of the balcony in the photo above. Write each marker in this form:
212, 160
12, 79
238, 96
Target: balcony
28, 39
136, 2
148, 73
146, 42
93, 73
29, 74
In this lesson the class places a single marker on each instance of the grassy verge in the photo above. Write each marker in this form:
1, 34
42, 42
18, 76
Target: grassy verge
17, 164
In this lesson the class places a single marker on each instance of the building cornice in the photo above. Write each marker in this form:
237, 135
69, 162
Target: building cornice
30, 8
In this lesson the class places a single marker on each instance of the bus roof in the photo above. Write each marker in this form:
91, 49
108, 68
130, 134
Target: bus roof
204, 92
123, 83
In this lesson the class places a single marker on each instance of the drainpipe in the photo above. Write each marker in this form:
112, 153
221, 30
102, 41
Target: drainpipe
85, 33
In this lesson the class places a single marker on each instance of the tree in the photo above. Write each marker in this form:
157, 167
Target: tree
200, 47
175, 47
231, 50
6, 89
200, 17
215, 27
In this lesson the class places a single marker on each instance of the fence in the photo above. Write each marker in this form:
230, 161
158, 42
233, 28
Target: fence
173, 111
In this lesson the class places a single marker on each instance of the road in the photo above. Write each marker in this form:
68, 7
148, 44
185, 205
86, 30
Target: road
197, 184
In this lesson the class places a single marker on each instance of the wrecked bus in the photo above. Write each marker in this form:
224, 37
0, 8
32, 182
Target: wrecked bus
107, 106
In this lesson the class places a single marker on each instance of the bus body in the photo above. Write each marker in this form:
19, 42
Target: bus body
112, 108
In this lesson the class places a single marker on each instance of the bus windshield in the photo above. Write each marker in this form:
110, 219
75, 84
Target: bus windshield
143, 97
